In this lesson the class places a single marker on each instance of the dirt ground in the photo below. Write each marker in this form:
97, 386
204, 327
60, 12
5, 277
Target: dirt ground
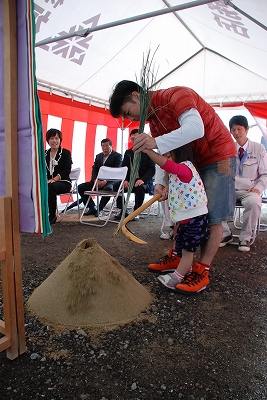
207, 346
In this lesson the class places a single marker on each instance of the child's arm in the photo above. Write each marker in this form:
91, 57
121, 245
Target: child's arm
157, 158
182, 171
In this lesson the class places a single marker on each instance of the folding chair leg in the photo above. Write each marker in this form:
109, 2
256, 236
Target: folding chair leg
62, 214
255, 233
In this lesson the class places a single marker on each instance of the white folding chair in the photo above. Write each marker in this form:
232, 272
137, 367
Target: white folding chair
74, 176
153, 210
108, 174
263, 227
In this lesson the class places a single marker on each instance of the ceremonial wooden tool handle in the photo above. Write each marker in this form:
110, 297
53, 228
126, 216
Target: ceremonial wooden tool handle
130, 217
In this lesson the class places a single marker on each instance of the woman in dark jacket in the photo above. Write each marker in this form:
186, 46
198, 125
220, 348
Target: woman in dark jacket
58, 167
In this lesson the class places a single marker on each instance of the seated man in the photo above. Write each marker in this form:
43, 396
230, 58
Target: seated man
109, 158
143, 183
250, 181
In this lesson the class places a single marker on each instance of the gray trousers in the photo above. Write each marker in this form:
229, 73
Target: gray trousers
252, 209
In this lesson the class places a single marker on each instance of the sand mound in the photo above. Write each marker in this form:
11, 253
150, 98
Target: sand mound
89, 288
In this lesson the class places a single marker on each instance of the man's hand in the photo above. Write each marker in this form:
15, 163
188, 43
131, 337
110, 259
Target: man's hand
144, 141
101, 184
126, 185
159, 189
139, 182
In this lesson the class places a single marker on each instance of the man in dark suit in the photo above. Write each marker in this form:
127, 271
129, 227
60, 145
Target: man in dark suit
143, 183
109, 158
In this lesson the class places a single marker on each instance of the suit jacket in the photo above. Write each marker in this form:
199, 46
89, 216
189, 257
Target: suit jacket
114, 160
251, 171
63, 164
146, 169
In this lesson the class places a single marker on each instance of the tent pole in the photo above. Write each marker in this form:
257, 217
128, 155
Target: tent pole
228, 2
86, 32
122, 134
174, 69
184, 24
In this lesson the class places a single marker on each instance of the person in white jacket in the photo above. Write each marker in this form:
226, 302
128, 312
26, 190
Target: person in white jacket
250, 181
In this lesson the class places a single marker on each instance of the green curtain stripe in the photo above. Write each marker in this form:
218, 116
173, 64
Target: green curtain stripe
39, 163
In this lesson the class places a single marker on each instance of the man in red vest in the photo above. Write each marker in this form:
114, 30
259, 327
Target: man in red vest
177, 116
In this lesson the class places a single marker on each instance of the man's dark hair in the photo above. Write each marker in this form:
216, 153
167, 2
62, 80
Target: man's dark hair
121, 94
238, 120
133, 131
106, 140
52, 132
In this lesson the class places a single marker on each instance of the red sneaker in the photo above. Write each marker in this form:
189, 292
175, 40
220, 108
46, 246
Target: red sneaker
196, 281
168, 263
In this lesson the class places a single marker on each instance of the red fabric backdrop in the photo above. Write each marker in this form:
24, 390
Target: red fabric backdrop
70, 111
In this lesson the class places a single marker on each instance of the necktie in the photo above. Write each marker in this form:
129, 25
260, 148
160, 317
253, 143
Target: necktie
241, 152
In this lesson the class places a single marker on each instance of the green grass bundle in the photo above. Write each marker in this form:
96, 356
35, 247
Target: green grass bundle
147, 79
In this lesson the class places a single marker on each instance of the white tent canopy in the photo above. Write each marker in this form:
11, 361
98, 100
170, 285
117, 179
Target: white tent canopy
219, 49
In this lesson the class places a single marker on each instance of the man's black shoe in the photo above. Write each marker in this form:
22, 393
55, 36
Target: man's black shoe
99, 214
91, 211
118, 217
226, 240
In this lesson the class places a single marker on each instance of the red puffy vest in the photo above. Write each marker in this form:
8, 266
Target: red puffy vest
167, 105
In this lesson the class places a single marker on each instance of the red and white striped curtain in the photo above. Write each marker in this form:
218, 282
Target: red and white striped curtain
259, 112
83, 127
257, 109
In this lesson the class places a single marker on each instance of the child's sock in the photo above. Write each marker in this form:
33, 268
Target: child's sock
171, 280
177, 277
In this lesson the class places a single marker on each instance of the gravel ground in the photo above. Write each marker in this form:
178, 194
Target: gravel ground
208, 346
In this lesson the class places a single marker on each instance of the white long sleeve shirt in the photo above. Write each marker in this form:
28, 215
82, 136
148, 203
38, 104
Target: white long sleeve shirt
191, 128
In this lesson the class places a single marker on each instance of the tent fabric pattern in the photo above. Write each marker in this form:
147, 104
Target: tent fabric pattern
217, 49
